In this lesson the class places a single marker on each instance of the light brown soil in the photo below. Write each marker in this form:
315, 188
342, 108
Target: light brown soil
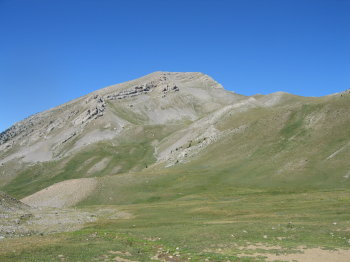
278, 253
305, 255
63, 194
314, 255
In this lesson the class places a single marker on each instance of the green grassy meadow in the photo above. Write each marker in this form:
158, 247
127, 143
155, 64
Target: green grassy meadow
203, 227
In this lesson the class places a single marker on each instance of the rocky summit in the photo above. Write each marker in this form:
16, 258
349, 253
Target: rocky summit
173, 156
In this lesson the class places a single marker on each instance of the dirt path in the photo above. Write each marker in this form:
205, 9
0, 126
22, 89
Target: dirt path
303, 255
314, 255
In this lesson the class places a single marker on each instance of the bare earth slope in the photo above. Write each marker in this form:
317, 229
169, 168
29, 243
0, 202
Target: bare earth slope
63, 194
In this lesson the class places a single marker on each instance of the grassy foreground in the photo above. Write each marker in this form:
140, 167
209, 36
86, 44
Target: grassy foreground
203, 227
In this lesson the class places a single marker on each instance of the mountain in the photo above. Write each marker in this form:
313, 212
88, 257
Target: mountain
173, 167
181, 131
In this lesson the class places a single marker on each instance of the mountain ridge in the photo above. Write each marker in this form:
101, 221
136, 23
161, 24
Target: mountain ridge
134, 81
169, 120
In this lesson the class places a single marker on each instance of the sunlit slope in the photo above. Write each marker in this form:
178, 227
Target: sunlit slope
179, 135
301, 145
111, 131
132, 153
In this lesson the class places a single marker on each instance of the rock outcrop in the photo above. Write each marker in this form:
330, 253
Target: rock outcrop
10, 204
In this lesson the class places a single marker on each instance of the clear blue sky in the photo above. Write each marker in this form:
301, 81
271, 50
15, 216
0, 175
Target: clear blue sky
55, 51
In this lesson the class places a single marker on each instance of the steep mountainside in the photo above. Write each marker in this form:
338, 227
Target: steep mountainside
179, 130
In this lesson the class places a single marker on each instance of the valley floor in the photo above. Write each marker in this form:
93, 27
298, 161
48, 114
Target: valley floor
244, 225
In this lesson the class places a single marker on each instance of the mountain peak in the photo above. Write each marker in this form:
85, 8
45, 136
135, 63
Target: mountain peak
159, 98
164, 79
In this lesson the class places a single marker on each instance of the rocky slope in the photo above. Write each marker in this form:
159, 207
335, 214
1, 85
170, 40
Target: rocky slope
159, 98
171, 122
10, 204
19, 219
